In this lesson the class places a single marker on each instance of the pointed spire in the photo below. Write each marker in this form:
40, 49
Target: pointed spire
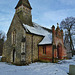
23, 2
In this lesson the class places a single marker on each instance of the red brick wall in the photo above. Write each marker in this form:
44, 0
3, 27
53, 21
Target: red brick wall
59, 51
58, 41
48, 55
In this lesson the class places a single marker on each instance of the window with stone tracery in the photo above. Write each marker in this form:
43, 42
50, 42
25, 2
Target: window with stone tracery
14, 37
23, 51
23, 47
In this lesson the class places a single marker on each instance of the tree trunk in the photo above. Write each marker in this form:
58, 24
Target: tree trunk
71, 42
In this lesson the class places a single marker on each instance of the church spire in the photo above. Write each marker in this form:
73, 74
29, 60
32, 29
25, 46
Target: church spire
24, 3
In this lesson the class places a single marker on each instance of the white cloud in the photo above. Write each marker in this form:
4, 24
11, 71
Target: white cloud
67, 2
49, 18
57, 16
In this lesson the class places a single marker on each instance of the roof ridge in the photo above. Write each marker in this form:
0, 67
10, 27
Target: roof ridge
49, 30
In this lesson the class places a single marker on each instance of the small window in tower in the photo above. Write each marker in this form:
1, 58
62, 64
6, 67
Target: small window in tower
44, 49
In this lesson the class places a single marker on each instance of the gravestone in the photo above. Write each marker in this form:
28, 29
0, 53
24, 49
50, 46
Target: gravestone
72, 70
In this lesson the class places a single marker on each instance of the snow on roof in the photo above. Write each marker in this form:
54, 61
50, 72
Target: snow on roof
36, 29
47, 40
39, 30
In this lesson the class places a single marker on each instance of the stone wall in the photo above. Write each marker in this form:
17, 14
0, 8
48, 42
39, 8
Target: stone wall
32, 47
72, 70
24, 14
8, 47
32, 41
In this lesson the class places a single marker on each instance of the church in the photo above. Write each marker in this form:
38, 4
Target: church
29, 42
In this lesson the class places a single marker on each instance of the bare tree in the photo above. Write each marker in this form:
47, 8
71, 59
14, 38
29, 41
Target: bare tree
69, 25
2, 38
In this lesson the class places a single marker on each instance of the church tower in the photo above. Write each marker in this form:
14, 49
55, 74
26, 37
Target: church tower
23, 10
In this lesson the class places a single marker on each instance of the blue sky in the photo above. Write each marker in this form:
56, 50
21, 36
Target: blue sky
44, 12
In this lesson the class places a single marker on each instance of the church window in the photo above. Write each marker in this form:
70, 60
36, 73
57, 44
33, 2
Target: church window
44, 49
23, 51
23, 47
14, 37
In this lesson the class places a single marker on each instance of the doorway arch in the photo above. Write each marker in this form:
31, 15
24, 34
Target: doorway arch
14, 55
59, 51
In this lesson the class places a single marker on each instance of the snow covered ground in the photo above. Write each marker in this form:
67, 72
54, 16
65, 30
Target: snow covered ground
62, 68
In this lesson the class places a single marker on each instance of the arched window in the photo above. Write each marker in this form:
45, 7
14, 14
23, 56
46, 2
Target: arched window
44, 49
14, 37
23, 51
23, 47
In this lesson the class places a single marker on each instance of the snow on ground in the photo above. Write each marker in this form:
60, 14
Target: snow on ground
61, 68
